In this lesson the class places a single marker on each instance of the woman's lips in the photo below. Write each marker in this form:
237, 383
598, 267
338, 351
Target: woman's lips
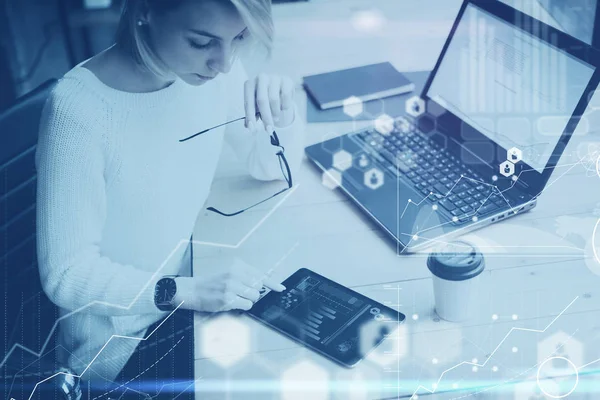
206, 78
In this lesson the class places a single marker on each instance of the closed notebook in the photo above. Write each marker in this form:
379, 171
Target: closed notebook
368, 82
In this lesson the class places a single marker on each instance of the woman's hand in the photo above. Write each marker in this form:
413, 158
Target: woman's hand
236, 287
273, 97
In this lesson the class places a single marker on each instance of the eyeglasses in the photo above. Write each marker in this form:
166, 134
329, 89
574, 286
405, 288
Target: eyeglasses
283, 165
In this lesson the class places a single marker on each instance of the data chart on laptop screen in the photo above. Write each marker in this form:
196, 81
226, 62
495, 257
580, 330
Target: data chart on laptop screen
514, 88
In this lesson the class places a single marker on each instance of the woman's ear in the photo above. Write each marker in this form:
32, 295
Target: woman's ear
143, 14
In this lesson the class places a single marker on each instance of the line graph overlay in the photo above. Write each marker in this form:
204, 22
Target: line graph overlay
18, 346
148, 336
515, 210
103, 347
588, 364
262, 220
489, 357
515, 379
141, 373
494, 190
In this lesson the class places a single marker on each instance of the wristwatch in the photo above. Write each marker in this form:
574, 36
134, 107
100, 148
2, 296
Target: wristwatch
164, 293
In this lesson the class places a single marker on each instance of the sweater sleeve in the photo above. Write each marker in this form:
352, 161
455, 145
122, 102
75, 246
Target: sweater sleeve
256, 149
71, 209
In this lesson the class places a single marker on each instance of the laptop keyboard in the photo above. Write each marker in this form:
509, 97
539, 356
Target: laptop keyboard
436, 173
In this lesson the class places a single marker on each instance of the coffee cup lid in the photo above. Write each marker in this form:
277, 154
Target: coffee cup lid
457, 261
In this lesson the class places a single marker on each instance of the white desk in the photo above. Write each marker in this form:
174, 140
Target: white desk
531, 271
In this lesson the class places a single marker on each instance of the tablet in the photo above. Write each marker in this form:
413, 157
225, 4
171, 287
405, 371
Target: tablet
327, 317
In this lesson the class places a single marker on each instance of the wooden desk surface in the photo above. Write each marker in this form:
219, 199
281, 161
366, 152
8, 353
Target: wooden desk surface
533, 273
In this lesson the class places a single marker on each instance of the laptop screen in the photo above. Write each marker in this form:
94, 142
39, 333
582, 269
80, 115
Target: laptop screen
575, 17
517, 90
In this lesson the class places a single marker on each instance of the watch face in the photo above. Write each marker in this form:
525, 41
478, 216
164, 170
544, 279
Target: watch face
165, 291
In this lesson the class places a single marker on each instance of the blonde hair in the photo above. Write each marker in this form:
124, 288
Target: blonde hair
255, 13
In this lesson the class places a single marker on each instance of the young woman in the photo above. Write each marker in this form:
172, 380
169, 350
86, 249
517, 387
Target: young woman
118, 191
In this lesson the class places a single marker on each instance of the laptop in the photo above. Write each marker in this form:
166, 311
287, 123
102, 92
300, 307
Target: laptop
576, 17
479, 144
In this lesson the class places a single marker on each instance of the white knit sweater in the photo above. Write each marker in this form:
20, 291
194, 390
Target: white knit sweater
117, 193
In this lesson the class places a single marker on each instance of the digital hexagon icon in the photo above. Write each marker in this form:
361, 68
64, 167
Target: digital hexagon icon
426, 124
342, 160
384, 124
528, 390
507, 168
332, 178
358, 383
434, 109
415, 106
373, 179
362, 161
560, 346
225, 340
305, 380
514, 155
353, 106
403, 125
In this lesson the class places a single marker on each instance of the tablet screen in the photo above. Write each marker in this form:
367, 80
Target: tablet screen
327, 317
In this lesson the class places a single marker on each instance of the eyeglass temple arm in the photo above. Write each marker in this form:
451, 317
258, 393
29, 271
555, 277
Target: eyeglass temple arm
287, 168
209, 129
247, 208
214, 127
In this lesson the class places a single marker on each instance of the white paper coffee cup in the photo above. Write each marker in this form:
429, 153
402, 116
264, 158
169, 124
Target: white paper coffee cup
456, 270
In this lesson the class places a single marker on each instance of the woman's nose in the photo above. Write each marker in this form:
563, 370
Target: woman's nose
222, 61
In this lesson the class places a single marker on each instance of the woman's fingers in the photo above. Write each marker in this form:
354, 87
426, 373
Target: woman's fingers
257, 279
273, 284
287, 94
263, 103
275, 96
249, 104
238, 303
252, 279
271, 97
244, 291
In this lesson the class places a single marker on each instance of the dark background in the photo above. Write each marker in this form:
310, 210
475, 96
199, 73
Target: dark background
43, 39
